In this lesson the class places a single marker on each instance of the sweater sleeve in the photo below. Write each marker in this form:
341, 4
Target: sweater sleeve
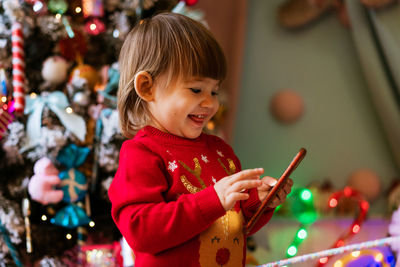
144, 218
249, 208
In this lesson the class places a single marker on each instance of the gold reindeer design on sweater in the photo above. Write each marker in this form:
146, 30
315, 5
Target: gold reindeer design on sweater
222, 243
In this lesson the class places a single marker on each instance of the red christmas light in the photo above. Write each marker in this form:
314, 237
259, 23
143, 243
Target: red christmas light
323, 260
333, 203
356, 228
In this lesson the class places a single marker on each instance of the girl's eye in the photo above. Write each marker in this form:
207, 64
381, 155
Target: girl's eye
195, 90
214, 93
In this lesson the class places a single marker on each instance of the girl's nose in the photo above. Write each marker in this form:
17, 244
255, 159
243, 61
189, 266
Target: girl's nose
208, 101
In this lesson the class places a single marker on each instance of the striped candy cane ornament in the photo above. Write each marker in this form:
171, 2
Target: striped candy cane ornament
5, 120
18, 64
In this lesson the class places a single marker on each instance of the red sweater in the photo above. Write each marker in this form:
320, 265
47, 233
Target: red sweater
165, 205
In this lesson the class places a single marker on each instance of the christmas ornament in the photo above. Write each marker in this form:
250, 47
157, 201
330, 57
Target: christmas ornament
71, 216
39, 7
73, 182
26, 212
287, 106
86, 72
81, 98
73, 48
58, 103
363, 206
55, 70
366, 182
5, 119
95, 26
191, 2
18, 64
58, 6
92, 8
42, 185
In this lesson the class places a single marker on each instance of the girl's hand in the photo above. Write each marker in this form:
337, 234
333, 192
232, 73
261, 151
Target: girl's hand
280, 197
231, 188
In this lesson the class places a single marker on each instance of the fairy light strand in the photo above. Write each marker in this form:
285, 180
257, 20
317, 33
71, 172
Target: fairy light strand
334, 251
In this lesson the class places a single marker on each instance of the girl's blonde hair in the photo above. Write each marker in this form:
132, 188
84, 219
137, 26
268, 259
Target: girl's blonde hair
170, 44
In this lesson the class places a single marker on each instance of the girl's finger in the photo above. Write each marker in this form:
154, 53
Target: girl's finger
246, 174
243, 185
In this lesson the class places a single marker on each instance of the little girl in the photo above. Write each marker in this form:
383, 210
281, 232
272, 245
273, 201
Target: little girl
179, 196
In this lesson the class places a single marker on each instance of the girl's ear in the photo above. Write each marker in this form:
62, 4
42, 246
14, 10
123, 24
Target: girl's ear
144, 86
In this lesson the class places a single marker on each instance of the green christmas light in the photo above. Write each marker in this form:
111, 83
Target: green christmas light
302, 234
306, 195
292, 250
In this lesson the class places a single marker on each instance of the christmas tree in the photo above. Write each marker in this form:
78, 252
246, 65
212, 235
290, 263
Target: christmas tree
59, 127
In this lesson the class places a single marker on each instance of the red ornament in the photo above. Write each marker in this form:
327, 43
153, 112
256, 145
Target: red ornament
95, 26
73, 48
191, 2
355, 227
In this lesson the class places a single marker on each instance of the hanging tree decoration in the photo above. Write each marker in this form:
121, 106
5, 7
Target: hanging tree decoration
74, 185
18, 67
58, 6
355, 227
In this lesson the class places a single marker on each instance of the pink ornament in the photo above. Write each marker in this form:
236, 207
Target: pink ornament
92, 8
366, 182
18, 67
95, 26
191, 2
287, 106
42, 185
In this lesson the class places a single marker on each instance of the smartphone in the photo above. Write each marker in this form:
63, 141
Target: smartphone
292, 166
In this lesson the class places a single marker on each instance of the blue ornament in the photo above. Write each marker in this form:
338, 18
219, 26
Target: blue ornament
70, 216
73, 156
73, 184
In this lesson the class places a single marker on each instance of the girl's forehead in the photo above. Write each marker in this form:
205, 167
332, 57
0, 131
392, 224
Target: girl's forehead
201, 79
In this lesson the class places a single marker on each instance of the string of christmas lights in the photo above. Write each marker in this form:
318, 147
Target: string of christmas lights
334, 251
304, 210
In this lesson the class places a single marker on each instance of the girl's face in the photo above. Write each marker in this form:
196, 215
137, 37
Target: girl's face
184, 107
